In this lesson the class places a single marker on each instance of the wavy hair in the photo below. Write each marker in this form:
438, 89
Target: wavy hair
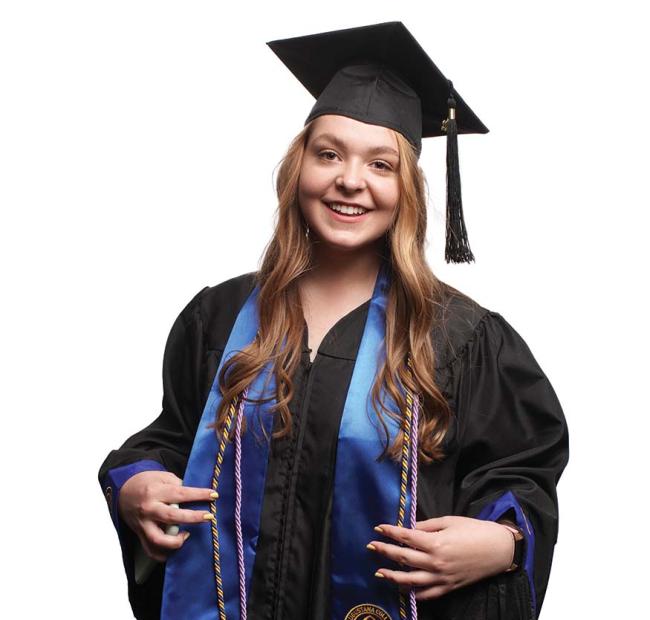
413, 299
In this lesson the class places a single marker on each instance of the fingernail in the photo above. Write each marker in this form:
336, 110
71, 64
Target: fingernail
186, 536
378, 574
214, 495
371, 547
379, 529
208, 516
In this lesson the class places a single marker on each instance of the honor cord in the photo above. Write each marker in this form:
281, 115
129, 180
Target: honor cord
232, 411
216, 554
238, 528
414, 487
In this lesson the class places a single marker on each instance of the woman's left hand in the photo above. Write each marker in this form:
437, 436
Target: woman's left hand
445, 553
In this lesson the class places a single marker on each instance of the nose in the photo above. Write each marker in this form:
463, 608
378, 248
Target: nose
351, 179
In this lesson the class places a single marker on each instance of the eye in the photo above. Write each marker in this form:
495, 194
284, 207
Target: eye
325, 155
383, 165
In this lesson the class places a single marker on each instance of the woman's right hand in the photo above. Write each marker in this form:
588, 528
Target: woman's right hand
143, 504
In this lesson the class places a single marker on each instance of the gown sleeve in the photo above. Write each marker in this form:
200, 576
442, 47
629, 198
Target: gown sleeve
513, 443
165, 444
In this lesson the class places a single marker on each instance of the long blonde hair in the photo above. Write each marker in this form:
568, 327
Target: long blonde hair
413, 297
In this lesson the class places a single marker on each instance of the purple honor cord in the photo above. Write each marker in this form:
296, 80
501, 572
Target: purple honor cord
414, 486
238, 527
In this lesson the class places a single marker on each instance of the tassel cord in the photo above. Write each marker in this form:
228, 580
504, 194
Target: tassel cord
457, 248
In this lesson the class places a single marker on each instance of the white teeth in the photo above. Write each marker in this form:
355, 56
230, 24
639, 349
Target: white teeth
346, 209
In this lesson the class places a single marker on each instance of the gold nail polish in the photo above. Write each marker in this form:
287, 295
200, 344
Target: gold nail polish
208, 516
371, 547
378, 574
214, 495
379, 529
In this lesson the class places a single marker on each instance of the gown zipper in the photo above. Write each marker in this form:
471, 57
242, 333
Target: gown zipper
290, 509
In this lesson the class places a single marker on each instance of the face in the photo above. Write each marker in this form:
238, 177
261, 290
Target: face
348, 188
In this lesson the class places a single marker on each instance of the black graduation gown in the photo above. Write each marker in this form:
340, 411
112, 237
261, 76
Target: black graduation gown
508, 434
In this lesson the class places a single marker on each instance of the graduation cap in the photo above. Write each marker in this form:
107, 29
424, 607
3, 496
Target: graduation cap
380, 74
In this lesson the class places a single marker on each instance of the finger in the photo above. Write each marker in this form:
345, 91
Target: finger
416, 539
412, 578
164, 513
402, 555
172, 494
159, 541
433, 525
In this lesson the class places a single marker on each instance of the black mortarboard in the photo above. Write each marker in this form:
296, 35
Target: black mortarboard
379, 74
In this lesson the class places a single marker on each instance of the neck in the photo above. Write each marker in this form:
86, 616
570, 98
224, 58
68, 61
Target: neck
357, 268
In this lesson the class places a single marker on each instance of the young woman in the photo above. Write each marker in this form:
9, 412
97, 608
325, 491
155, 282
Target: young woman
347, 435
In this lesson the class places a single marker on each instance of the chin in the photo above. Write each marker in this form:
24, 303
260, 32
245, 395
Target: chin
348, 244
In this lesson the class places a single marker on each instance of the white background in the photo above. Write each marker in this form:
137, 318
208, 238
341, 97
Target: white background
138, 142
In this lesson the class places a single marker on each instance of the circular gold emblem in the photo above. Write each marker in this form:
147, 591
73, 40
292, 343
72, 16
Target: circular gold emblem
367, 611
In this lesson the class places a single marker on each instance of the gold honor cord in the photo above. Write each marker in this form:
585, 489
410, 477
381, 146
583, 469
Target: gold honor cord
406, 449
213, 508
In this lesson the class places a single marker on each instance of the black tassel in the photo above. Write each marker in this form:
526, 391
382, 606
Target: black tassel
457, 248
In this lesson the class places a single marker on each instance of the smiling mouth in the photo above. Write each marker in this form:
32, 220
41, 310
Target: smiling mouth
347, 210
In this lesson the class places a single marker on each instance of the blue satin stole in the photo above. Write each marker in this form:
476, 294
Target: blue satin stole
366, 491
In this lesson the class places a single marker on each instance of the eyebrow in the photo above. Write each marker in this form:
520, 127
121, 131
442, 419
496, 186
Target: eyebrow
375, 150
